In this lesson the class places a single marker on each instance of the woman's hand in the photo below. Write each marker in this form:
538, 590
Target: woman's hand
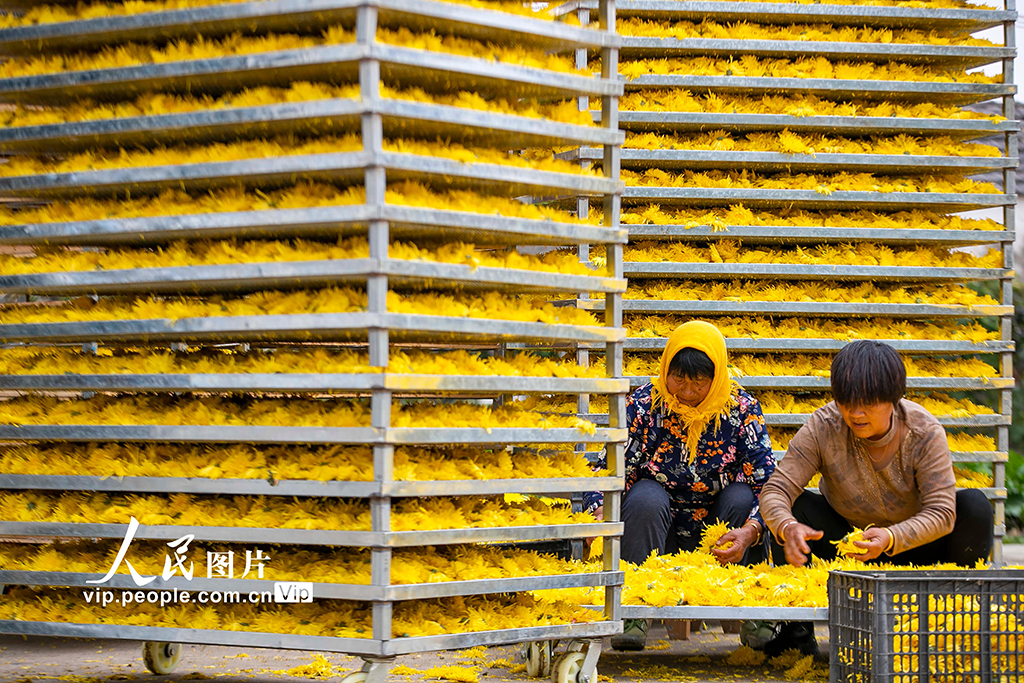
741, 538
796, 547
876, 540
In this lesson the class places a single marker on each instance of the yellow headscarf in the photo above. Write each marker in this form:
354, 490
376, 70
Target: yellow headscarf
705, 337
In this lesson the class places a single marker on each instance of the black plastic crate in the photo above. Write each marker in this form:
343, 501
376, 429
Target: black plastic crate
926, 626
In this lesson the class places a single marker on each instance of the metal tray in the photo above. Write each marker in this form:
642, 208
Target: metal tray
926, 346
945, 93
796, 163
809, 199
306, 327
325, 537
401, 118
354, 646
424, 225
346, 168
942, 19
815, 309
311, 16
402, 274
968, 56
794, 234
402, 67
326, 489
700, 612
307, 435
805, 383
691, 122
797, 271
799, 419
287, 382
324, 591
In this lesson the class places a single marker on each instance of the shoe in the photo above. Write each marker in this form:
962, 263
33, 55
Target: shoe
793, 635
633, 636
757, 634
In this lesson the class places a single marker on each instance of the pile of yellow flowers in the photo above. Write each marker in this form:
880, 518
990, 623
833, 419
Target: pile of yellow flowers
655, 326
336, 618
744, 30
806, 365
790, 104
953, 294
95, 160
303, 195
788, 142
295, 563
136, 54
283, 463
52, 360
272, 512
720, 219
232, 251
822, 184
159, 103
209, 410
858, 254
749, 66
491, 305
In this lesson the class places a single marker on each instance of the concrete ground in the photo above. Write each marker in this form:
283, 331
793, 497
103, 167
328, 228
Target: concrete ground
36, 660
701, 658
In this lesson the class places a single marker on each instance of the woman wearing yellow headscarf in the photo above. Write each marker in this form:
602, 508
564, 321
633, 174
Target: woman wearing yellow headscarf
698, 452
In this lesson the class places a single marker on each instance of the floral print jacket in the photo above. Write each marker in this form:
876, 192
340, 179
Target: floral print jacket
740, 450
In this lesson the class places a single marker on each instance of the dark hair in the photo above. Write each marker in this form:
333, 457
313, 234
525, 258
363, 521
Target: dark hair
692, 364
866, 372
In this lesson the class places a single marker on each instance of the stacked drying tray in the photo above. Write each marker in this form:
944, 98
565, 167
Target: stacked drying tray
795, 174
256, 269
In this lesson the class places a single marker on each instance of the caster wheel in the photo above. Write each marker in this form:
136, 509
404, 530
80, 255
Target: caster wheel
576, 646
538, 659
567, 668
355, 677
161, 658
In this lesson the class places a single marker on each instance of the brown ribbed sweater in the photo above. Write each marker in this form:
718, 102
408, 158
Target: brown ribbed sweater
914, 495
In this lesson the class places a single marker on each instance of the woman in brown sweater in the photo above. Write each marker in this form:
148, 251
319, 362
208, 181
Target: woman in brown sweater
885, 467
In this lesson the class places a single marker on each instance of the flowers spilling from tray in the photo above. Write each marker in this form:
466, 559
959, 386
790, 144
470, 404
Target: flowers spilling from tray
220, 252
274, 512
656, 326
744, 30
811, 144
749, 66
953, 294
160, 103
287, 463
815, 365
56, 360
293, 412
823, 184
301, 563
276, 148
490, 305
852, 254
334, 618
788, 104
721, 219
236, 44
303, 195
